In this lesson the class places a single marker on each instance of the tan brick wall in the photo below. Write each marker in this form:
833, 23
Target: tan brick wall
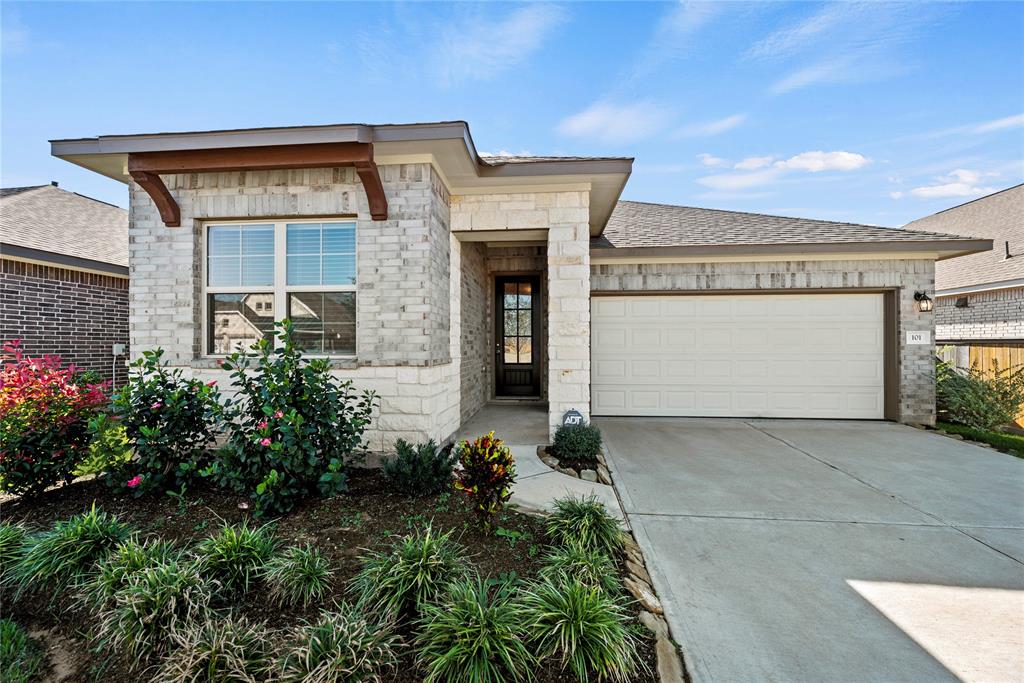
989, 316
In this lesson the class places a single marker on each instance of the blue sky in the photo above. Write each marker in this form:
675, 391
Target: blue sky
876, 112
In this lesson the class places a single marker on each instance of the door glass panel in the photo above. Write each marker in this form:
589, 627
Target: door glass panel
511, 347
525, 294
510, 295
510, 323
524, 323
525, 350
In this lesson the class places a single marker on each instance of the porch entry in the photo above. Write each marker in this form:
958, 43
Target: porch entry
517, 326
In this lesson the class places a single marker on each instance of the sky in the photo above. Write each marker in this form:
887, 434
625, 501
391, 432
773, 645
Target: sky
873, 112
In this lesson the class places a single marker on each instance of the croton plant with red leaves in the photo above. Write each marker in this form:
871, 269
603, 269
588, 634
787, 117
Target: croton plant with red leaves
487, 474
44, 420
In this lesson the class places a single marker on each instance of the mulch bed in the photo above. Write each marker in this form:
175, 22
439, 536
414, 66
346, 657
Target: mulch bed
342, 527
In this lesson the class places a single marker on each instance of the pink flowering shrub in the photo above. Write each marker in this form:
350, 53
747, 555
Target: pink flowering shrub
44, 420
169, 420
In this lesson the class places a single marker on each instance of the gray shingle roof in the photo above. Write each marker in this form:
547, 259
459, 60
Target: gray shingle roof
999, 217
47, 218
639, 224
495, 159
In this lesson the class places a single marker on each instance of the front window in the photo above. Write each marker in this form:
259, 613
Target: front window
257, 273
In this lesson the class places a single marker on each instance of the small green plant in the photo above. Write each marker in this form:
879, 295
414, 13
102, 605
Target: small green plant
589, 566
299, 575
113, 571
584, 522
578, 443
109, 449
474, 635
513, 536
20, 657
421, 470
216, 651
583, 627
415, 570
487, 475
12, 542
340, 647
55, 560
236, 555
987, 401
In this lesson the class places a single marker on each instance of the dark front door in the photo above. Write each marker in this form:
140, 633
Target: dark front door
517, 326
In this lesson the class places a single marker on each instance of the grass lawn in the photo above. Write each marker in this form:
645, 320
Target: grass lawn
1008, 443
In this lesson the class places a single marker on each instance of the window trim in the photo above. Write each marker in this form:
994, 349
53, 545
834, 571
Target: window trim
280, 289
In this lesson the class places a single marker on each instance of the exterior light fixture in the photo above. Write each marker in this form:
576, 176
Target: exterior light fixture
924, 302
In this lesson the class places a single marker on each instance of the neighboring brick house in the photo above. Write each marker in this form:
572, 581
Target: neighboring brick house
979, 304
446, 280
64, 276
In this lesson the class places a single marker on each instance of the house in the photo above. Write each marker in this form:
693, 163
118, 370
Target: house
64, 276
979, 302
446, 280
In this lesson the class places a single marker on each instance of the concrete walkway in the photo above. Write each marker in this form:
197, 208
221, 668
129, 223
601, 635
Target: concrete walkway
792, 550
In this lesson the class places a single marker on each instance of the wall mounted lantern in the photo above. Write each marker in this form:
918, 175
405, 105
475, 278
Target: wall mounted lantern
924, 302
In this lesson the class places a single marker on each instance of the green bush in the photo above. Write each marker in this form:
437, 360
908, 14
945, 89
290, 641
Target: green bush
976, 399
414, 571
298, 576
12, 543
109, 449
584, 522
293, 428
218, 651
472, 636
340, 647
236, 555
487, 475
56, 560
589, 566
581, 443
113, 571
169, 420
421, 470
583, 627
20, 657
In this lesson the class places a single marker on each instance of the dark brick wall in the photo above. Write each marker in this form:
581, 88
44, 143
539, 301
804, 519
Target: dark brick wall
76, 315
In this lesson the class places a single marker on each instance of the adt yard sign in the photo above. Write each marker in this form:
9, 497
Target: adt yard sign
572, 418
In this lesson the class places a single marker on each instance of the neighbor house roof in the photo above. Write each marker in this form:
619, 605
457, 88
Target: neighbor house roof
653, 229
999, 217
46, 223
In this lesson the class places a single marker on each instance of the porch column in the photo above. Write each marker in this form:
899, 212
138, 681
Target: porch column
569, 308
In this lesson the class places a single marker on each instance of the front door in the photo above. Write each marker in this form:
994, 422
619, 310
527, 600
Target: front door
517, 324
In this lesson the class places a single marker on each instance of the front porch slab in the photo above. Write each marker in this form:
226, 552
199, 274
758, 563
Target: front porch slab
515, 424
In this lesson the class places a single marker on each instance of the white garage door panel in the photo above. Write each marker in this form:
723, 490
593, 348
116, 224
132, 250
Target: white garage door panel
760, 355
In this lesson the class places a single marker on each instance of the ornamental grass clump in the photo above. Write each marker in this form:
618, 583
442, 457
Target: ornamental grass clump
235, 556
421, 470
298, 576
418, 568
231, 649
12, 543
44, 420
585, 522
474, 635
341, 646
21, 658
487, 475
582, 627
589, 566
113, 571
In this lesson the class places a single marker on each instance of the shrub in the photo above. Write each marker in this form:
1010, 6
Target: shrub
580, 443
20, 656
340, 647
415, 570
488, 472
584, 522
12, 542
154, 604
169, 420
589, 566
294, 427
58, 559
115, 569
235, 556
298, 576
976, 399
109, 448
474, 637
218, 650
421, 470
583, 627
44, 421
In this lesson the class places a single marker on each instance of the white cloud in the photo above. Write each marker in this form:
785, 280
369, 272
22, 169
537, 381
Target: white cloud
818, 161
753, 163
740, 181
808, 32
961, 182
709, 128
674, 34
615, 123
999, 124
832, 71
711, 160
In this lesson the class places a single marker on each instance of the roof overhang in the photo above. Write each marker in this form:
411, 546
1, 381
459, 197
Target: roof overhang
447, 145
937, 249
982, 287
52, 258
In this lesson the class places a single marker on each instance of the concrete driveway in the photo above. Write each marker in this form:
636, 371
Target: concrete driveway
800, 550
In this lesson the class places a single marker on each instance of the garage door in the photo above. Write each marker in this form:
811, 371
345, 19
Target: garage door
750, 355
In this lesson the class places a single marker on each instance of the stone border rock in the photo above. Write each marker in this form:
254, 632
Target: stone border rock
601, 475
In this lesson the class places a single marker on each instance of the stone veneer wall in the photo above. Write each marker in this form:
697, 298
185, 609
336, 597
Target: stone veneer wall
990, 316
916, 383
404, 338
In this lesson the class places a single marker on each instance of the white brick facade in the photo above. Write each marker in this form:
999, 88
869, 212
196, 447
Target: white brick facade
995, 315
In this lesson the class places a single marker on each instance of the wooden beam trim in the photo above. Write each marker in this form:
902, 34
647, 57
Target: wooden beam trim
375, 196
170, 212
